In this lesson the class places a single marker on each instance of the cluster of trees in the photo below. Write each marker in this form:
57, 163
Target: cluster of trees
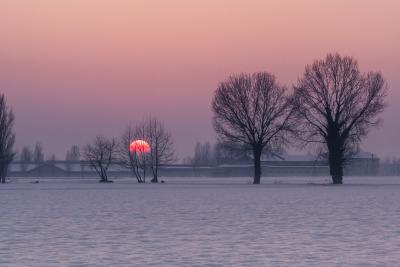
331, 108
155, 148
206, 154
390, 166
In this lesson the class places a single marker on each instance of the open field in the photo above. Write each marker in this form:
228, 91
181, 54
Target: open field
201, 222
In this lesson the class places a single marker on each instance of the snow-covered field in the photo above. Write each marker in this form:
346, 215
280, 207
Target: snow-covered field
201, 222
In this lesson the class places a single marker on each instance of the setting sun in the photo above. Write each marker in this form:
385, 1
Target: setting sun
139, 146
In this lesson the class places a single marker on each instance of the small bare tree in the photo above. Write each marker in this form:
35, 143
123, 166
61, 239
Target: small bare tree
254, 112
7, 138
335, 106
161, 146
134, 159
100, 155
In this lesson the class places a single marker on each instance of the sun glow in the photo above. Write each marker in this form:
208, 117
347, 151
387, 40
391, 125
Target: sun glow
139, 146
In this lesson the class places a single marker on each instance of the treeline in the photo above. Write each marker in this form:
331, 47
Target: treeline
206, 154
390, 167
331, 108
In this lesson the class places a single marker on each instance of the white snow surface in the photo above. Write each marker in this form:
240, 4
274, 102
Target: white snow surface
201, 222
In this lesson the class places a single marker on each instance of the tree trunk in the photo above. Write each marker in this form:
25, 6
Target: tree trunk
257, 165
336, 167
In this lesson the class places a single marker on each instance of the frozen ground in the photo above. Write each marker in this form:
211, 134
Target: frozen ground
201, 222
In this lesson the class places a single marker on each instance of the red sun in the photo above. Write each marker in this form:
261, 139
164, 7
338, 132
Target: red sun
139, 146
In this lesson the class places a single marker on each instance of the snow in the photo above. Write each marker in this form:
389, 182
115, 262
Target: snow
201, 222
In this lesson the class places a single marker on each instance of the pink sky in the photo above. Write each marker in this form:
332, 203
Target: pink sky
72, 69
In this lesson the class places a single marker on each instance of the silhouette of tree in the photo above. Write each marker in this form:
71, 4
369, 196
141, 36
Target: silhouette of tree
254, 112
135, 160
7, 138
335, 106
161, 146
100, 155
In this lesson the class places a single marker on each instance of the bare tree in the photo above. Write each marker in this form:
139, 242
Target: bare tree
161, 146
7, 138
335, 106
26, 157
135, 159
38, 155
253, 111
100, 155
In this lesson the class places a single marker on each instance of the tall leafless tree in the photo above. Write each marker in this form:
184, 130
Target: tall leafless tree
161, 146
7, 138
135, 160
100, 155
335, 106
254, 111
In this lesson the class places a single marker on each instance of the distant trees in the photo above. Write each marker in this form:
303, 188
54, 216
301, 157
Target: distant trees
26, 156
38, 155
203, 154
72, 155
100, 155
335, 105
52, 158
7, 138
254, 111
228, 153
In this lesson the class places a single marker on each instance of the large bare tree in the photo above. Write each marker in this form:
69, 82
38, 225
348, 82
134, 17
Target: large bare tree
254, 111
335, 105
7, 138
161, 146
100, 155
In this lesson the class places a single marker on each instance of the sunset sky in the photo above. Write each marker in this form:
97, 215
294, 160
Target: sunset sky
72, 69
